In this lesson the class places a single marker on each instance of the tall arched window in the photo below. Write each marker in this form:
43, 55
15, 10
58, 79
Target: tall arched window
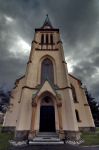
77, 115
74, 94
42, 39
47, 71
51, 39
46, 38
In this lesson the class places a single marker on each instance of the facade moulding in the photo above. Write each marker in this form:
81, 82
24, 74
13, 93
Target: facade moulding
57, 30
47, 44
59, 42
27, 87
64, 62
34, 42
37, 49
29, 62
67, 87
86, 104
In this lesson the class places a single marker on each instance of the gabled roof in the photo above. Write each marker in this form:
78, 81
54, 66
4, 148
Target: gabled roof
46, 87
75, 78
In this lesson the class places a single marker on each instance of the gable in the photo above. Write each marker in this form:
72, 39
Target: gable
46, 87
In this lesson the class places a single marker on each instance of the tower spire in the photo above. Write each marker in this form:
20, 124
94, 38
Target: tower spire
47, 23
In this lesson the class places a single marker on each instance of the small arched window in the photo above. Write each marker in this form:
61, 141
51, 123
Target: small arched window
42, 39
46, 38
74, 93
51, 39
77, 115
47, 71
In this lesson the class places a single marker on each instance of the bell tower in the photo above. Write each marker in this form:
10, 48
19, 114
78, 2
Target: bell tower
47, 45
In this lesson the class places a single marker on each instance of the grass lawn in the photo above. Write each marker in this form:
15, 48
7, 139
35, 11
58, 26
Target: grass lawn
4, 138
91, 138
97, 129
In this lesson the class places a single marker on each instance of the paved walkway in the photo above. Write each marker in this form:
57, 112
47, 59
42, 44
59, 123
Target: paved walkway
91, 148
53, 147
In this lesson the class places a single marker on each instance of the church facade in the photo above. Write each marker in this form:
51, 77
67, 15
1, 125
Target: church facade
47, 98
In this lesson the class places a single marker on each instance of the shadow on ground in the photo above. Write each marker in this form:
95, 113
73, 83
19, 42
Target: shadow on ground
53, 147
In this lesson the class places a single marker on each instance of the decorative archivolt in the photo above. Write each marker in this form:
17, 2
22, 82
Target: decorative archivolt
56, 98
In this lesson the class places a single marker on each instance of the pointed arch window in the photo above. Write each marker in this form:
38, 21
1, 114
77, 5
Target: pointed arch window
74, 94
77, 115
47, 71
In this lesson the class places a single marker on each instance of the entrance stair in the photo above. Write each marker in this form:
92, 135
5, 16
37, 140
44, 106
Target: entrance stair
46, 138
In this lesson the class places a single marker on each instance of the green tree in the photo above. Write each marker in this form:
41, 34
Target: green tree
94, 106
4, 99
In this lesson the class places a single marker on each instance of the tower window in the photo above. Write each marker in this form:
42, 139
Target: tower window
74, 94
47, 71
77, 115
46, 38
42, 39
51, 39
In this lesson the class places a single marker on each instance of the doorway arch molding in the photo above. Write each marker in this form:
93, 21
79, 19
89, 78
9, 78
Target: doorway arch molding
57, 98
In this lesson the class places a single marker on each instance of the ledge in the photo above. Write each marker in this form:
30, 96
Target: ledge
86, 104
46, 49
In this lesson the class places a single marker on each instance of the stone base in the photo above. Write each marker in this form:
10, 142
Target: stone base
61, 134
87, 129
72, 135
32, 134
21, 135
8, 129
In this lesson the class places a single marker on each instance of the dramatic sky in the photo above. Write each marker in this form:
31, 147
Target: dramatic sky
78, 21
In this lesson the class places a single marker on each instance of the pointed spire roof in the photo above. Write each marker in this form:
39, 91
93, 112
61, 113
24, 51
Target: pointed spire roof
47, 24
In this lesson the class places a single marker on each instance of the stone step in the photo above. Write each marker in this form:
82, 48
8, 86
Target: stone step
46, 137
43, 139
39, 135
45, 143
47, 134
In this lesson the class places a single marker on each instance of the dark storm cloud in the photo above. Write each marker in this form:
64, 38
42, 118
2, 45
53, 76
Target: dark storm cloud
95, 89
23, 12
88, 71
84, 70
10, 66
13, 68
94, 55
78, 21
78, 18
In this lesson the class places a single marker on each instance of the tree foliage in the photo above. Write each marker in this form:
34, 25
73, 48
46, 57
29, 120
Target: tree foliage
94, 106
4, 99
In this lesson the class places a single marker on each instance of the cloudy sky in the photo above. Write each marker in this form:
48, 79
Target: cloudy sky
78, 21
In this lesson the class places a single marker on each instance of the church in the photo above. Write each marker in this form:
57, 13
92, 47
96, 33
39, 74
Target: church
47, 99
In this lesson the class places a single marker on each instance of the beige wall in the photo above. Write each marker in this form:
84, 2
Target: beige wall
84, 110
20, 113
14, 107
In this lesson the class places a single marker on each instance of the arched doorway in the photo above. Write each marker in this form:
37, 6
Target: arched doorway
47, 115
